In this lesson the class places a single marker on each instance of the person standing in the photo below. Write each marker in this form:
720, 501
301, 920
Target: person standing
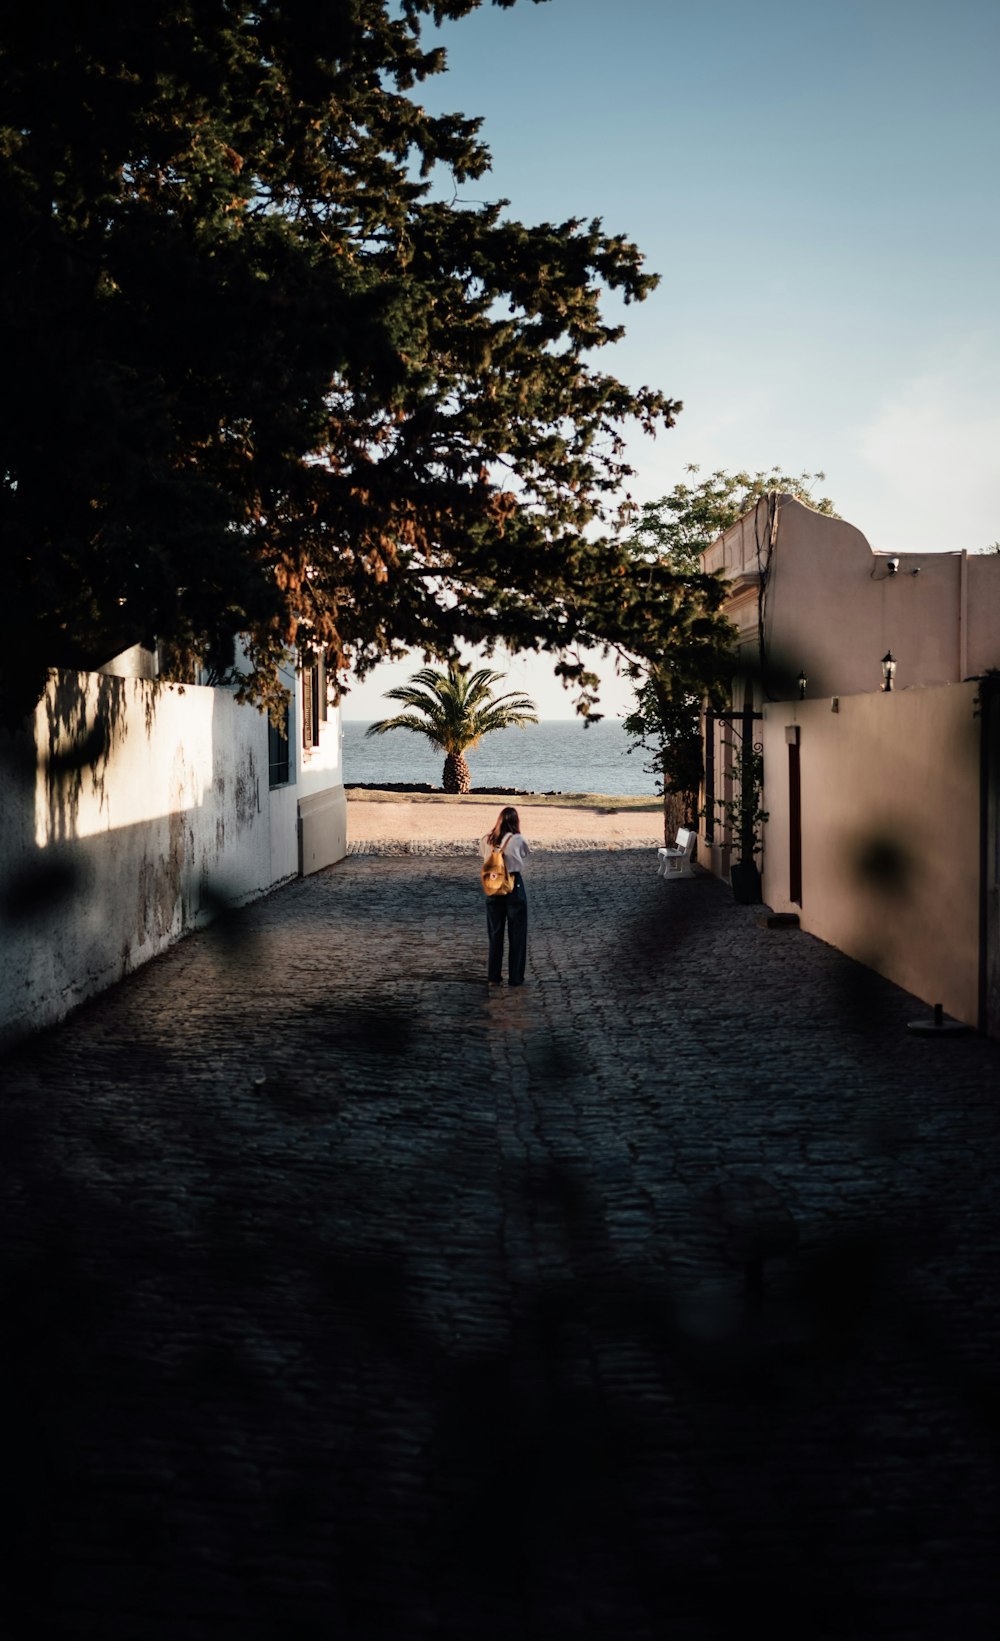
510, 911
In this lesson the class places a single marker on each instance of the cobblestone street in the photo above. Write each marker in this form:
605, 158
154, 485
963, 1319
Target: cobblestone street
348, 1297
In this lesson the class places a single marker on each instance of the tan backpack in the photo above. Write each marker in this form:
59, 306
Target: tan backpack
495, 874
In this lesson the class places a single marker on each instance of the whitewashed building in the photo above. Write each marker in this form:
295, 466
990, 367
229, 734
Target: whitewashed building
132, 810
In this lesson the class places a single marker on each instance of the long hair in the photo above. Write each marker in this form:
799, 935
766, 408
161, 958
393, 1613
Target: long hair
507, 821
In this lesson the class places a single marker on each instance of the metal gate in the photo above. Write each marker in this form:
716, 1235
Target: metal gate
741, 725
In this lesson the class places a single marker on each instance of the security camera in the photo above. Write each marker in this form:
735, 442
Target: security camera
893, 566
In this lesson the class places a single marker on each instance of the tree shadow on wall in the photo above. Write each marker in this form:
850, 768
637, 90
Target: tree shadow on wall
59, 761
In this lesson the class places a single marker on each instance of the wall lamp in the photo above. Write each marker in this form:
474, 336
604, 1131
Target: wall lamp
803, 681
888, 670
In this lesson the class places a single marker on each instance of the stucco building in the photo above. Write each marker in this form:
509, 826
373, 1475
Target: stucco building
882, 832
134, 810
822, 601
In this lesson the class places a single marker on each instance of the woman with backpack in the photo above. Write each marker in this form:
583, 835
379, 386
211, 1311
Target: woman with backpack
507, 910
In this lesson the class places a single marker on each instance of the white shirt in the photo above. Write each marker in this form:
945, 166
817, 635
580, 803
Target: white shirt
515, 850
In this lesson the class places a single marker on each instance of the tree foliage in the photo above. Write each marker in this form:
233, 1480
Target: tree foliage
674, 531
454, 710
268, 373
682, 524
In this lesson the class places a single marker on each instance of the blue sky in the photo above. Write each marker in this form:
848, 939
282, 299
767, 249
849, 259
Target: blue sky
816, 184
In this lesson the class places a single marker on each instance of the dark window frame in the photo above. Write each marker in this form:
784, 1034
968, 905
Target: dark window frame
279, 771
310, 708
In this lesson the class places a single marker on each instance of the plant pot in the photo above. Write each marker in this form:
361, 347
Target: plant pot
745, 879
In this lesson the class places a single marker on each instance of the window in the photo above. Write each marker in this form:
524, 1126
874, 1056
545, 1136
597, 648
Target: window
277, 751
310, 708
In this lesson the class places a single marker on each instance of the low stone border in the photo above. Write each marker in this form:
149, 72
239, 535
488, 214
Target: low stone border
462, 846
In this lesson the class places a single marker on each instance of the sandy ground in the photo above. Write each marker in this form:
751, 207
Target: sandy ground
452, 822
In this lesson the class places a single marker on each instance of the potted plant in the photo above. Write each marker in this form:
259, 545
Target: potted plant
744, 820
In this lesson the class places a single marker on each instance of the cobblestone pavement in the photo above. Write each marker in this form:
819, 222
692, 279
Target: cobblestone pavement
346, 1296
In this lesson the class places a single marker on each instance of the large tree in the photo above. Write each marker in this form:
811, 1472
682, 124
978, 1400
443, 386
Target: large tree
268, 373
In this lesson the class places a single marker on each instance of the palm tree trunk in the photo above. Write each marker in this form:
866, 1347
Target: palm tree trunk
456, 774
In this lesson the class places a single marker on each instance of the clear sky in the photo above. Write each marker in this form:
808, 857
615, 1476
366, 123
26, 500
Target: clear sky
817, 185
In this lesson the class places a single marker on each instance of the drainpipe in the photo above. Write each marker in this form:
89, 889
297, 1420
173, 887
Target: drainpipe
963, 615
709, 778
989, 857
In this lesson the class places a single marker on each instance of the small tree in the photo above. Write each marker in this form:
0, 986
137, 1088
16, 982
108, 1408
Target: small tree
743, 814
454, 711
668, 728
683, 523
674, 532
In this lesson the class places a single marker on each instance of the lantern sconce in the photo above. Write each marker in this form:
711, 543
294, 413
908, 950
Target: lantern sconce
803, 681
888, 670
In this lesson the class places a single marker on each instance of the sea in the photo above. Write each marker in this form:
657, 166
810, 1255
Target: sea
556, 755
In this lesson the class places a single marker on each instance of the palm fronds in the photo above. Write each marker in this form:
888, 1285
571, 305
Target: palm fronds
456, 708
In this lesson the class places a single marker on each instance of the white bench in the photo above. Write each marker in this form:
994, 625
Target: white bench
675, 861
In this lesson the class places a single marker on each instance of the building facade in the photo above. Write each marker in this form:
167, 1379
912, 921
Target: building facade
881, 804
133, 811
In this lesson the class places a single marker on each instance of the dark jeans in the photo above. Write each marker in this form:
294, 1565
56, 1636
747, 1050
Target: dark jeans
510, 912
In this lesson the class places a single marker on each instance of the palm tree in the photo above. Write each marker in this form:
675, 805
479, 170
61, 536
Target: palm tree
455, 710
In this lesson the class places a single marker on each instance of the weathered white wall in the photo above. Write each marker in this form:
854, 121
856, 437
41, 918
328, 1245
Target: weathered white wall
132, 811
890, 833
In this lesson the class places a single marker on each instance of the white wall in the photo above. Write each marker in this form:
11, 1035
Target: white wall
128, 815
320, 800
